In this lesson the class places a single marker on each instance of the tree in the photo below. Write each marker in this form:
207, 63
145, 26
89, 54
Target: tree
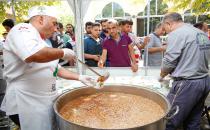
21, 8
198, 6
2, 11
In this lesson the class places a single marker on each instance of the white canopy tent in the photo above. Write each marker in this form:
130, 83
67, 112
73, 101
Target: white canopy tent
79, 7
129, 6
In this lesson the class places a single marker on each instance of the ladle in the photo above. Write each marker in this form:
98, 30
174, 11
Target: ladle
101, 78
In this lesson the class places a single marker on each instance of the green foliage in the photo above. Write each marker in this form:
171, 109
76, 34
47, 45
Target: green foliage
66, 19
2, 11
21, 8
201, 6
198, 6
205, 18
190, 19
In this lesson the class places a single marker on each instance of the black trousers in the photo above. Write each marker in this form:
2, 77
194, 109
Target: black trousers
2, 93
15, 119
190, 96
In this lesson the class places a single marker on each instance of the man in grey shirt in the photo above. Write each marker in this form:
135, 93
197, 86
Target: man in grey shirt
155, 47
186, 59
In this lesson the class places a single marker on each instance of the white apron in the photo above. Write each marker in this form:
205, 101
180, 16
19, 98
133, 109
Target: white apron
34, 100
31, 86
35, 108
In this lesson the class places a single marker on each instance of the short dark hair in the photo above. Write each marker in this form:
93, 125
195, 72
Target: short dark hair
60, 25
176, 17
96, 24
126, 21
69, 24
88, 24
8, 22
158, 25
103, 20
199, 25
130, 22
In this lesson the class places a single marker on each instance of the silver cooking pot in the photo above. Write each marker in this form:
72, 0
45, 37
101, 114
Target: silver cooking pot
130, 89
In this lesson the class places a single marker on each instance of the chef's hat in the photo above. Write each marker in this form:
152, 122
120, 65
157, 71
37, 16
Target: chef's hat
42, 10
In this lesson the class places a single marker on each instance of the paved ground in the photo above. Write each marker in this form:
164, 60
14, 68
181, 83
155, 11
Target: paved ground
204, 122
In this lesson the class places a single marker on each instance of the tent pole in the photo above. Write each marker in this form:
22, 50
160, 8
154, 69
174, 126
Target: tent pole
148, 21
79, 35
13, 10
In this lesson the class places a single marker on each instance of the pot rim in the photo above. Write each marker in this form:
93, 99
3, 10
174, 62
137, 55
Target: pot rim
122, 85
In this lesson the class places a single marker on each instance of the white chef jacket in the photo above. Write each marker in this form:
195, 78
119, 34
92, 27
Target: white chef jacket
27, 83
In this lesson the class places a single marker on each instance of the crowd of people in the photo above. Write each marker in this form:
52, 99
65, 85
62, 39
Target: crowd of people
111, 43
95, 39
153, 54
33, 50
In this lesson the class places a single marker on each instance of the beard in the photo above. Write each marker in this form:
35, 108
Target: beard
104, 30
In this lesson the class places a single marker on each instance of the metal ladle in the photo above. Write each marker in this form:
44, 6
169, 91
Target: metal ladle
101, 78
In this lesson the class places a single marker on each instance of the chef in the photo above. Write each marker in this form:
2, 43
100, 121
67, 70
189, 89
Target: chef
31, 68
186, 58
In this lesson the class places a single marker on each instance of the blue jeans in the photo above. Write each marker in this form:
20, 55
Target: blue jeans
190, 99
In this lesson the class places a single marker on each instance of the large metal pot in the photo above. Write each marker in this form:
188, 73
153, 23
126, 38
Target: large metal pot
130, 89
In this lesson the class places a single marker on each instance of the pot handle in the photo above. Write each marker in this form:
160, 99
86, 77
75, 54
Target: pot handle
172, 112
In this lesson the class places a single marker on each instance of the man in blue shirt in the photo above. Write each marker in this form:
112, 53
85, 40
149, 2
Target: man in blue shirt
104, 32
92, 46
88, 27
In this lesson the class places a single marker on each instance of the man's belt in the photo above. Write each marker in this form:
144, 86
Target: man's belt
181, 78
178, 78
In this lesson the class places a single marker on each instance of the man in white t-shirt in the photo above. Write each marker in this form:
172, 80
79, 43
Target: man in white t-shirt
156, 47
31, 68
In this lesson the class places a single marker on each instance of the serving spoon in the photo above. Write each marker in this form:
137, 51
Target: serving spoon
101, 78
